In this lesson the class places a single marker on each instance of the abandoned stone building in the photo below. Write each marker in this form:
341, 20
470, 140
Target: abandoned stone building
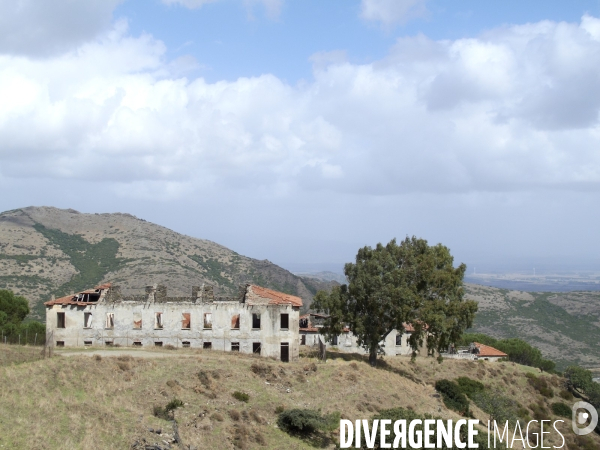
395, 343
259, 320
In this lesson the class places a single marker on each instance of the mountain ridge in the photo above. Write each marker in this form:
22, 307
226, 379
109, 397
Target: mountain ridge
47, 251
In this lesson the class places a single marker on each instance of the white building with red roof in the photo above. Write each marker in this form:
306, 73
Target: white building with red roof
258, 320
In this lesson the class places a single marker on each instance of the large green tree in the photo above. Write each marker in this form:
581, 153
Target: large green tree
388, 286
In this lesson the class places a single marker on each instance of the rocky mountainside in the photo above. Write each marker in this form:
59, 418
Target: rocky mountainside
565, 326
47, 251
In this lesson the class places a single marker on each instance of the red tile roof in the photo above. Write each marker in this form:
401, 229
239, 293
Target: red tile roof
486, 350
72, 299
274, 297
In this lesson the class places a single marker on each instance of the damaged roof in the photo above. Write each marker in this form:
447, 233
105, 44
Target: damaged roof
270, 297
72, 299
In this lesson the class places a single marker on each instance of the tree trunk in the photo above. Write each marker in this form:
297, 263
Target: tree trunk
373, 357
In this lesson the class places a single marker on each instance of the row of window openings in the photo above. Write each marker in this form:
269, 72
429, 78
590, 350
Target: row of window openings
186, 322
235, 346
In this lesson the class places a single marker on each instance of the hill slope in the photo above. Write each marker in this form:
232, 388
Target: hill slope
565, 326
47, 251
81, 402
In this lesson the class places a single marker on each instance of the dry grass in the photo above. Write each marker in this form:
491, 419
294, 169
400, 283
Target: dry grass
17, 354
80, 402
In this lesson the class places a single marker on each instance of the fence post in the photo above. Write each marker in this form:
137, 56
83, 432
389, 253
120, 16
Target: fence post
35, 340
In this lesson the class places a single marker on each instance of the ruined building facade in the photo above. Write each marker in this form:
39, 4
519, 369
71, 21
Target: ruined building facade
259, 320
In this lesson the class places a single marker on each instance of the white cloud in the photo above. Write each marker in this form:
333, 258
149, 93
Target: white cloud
192, 4
390, 12
515, 109
272, 7
40, 28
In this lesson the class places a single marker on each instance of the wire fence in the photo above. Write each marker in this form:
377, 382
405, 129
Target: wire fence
25, 338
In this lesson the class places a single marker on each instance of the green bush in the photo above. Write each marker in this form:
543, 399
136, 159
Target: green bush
166, 412
241, 396
306, 421
453, 396
541, 385
469, 387
561, 409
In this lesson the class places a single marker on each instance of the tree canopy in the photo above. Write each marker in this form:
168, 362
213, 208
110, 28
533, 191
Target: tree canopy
13, 310
392, 285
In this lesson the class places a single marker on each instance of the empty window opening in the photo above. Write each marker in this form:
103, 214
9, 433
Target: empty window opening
303, 339
158, 344
60, 320
137, 321
256, 321
108, 343
60, 343
256, 348
137, 344
87, 342
110, 320
158, 320
235, 322
235, 346
186, 321
398, 339
207, 345
207, 320
186, 344
284, 322
334, 340
87, 320
304, 323
285, 352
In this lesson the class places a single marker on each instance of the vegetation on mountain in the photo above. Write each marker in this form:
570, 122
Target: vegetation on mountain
391, 285
564, 326
453, 396
47, 252
580, 381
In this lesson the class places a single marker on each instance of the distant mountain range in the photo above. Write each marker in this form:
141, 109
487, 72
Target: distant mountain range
47, 251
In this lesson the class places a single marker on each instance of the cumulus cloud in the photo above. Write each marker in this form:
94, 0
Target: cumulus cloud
390, 12
513, 109
40, 28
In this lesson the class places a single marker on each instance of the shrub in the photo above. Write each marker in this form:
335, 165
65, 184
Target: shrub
561, 409
174, 404
440, 359
539, 411
235, 415
279, 409
541, 385
566, 395
241, 396
218, 417
469, 386
306, 421
499, 407
453, 396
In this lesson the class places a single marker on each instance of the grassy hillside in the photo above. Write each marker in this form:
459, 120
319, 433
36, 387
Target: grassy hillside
48, 251
107, 402
564, 326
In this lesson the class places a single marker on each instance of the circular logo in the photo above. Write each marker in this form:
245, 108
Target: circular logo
582, 412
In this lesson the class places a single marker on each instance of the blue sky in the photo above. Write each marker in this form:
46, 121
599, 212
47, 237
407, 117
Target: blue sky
298, 131
230, 39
